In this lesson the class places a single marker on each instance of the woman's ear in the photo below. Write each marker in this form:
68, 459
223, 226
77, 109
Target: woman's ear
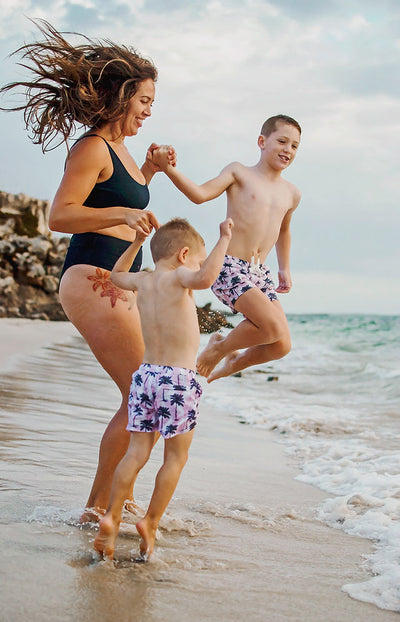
183, 253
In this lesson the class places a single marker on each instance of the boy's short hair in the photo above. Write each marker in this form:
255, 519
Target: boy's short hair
173, 236
269, 126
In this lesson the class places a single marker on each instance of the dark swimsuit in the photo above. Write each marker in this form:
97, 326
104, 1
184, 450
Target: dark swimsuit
97, 249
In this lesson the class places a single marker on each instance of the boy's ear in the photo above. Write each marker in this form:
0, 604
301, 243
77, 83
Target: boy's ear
183, 253
261, 141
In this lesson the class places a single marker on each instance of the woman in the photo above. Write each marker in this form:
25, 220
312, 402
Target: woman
108, 89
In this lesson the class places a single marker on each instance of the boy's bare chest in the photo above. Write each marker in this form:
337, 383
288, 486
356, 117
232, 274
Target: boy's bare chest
259, 204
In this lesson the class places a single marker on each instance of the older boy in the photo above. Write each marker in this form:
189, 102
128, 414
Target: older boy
261, 205
164, 393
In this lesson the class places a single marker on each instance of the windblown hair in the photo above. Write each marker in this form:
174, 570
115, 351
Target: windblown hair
173, 236
88, 84
270, 125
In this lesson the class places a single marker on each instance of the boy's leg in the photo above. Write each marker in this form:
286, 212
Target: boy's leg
265, 325
175, 457
139, 450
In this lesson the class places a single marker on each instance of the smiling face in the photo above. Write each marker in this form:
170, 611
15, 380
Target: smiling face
139, 108
279, 149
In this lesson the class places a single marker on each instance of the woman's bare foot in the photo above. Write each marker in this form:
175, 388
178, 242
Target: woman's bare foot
148, 536
211, 355
227, 368
105, 541
91, 515
131, 511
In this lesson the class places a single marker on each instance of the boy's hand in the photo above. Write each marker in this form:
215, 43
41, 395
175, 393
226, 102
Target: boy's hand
225, 228
285, 282
143, 221
140, 236
160, 157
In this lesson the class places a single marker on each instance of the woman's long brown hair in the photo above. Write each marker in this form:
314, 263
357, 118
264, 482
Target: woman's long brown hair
88, 84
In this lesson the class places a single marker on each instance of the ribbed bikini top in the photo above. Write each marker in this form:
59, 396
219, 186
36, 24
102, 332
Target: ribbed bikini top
120, 189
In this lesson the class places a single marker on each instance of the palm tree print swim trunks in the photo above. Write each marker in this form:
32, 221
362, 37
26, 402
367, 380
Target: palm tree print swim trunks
163, 399
237, 276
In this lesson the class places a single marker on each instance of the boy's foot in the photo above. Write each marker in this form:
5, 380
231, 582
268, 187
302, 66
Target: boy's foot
211, 355
226, 369
148, 536
105, 541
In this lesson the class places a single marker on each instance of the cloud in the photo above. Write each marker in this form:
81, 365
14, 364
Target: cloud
224, 67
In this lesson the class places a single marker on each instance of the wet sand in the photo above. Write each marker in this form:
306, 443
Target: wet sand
240, 540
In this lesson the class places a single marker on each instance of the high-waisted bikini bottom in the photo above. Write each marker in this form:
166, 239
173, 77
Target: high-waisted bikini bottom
97, 249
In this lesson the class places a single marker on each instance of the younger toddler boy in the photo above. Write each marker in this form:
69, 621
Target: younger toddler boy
164, 393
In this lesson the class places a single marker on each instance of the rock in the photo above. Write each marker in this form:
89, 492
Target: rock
210, 320
50, 284
30, 259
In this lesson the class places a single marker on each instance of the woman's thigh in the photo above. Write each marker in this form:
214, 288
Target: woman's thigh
107, 318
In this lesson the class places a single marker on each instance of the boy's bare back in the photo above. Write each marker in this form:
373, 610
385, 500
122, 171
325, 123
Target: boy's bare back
165, 297
168, 318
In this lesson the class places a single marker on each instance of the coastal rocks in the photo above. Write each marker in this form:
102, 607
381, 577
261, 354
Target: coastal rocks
211, 320
31, 258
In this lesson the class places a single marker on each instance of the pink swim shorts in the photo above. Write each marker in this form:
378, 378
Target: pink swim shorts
163, 399
237, 276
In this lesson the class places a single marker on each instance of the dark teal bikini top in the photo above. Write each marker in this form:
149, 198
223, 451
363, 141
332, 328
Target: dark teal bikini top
120, 189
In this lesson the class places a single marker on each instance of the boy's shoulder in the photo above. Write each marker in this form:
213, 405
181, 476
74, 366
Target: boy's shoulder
238, 170
293, 189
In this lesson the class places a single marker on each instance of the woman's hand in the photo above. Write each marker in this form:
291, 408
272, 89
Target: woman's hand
141, 221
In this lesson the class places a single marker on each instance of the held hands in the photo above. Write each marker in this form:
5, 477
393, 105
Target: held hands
159, 157
140, 236
285, 282
141, 221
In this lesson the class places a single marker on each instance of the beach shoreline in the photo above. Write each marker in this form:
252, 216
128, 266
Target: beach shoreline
257, 514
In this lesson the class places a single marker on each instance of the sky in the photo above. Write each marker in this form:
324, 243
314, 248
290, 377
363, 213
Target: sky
226, 66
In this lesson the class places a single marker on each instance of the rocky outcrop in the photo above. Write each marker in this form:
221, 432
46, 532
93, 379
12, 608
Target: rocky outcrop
31, 258
211, 320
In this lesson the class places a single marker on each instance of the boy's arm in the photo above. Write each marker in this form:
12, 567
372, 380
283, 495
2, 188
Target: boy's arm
210, 269
282, 247
196, 193
120, 275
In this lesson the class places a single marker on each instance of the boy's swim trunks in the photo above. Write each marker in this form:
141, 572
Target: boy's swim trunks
237, 276
163, 399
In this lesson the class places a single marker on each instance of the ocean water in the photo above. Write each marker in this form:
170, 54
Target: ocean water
334, 401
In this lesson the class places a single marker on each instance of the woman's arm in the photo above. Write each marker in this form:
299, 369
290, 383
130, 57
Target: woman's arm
87, 163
